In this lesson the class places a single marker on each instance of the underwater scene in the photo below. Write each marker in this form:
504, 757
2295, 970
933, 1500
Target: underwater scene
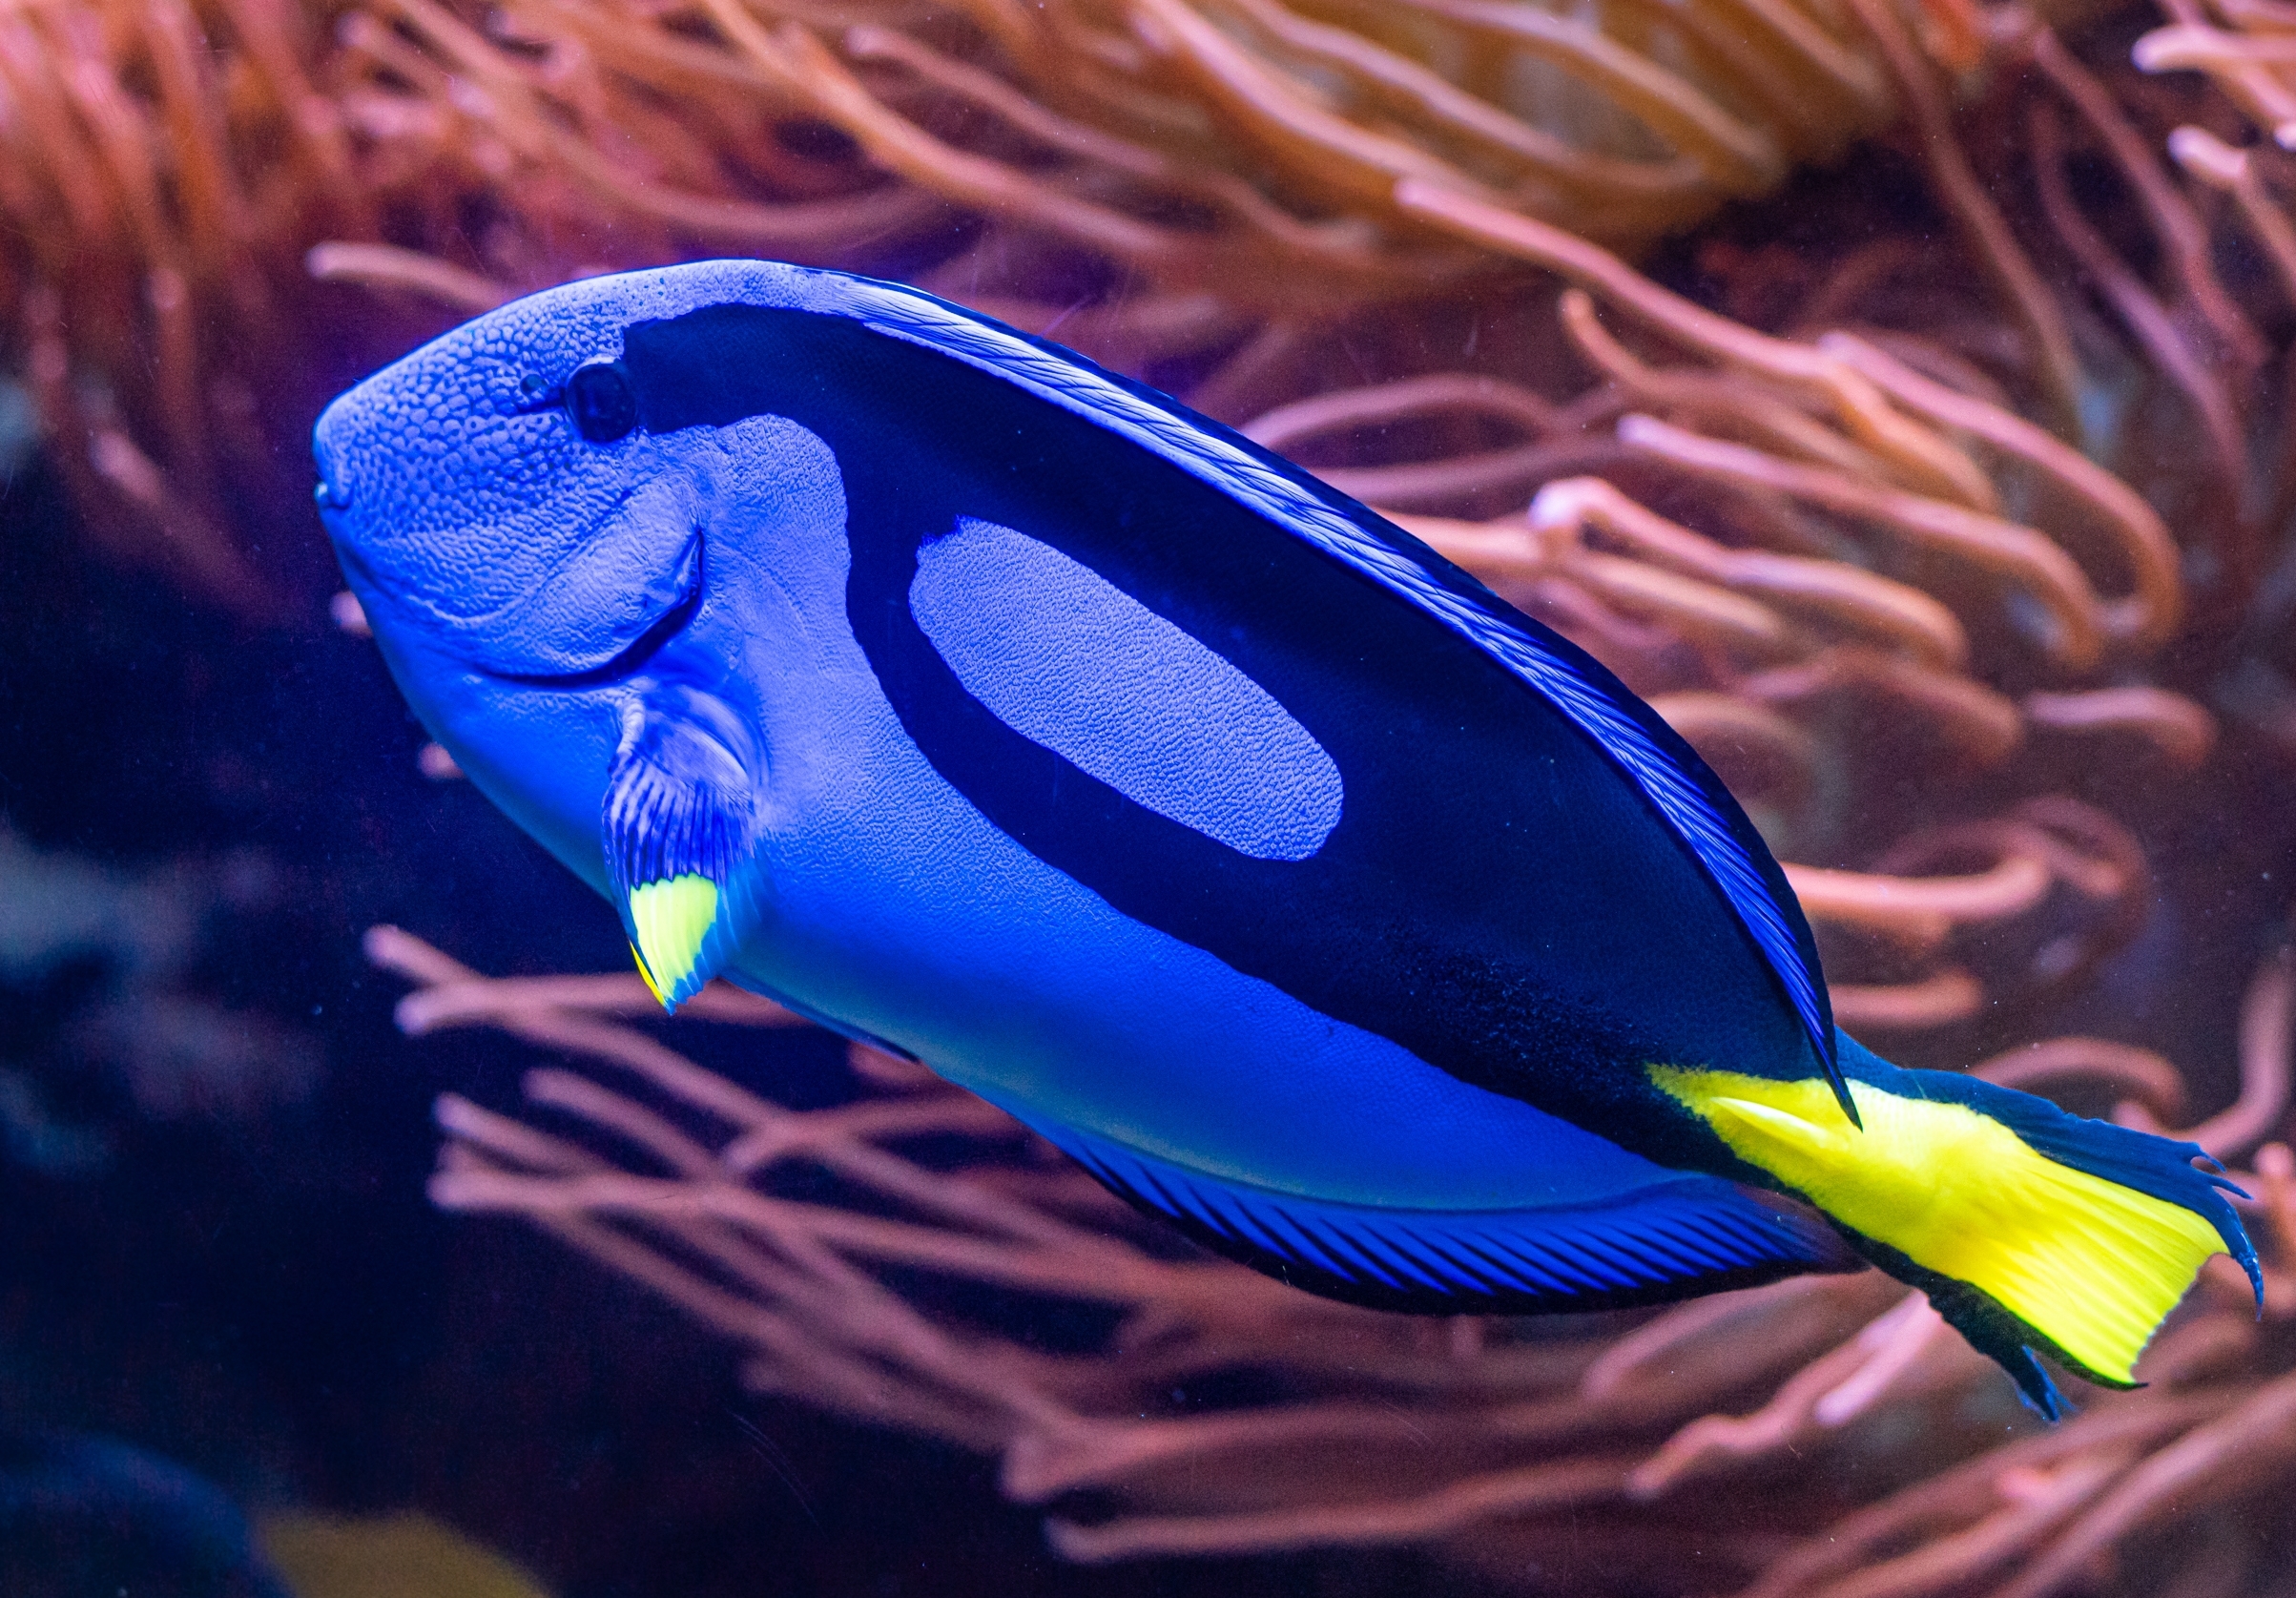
1307, 798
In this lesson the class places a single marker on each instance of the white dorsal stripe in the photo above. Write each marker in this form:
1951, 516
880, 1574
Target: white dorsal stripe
1072, 662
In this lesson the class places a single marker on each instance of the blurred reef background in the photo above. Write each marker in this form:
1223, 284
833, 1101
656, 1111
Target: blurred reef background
1898, 393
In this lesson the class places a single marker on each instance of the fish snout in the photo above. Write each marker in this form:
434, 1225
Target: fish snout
333, 492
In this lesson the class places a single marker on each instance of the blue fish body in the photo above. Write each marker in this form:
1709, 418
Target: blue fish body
1003, 713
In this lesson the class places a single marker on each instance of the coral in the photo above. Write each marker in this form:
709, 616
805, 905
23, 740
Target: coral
1825, 1435
1160, 177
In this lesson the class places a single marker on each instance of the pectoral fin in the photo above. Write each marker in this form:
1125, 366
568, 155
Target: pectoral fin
679, 812
672, 921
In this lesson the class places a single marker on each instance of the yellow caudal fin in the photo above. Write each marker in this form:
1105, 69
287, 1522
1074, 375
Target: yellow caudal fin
2082, 1233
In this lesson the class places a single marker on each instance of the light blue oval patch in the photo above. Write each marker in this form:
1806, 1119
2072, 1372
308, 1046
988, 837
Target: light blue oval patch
1072, 662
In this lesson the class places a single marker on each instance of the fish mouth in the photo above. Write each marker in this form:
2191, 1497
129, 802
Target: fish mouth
639, 651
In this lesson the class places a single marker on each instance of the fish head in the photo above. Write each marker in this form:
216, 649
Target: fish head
555, 585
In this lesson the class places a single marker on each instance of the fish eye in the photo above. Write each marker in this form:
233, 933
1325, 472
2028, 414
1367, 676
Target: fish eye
600, 402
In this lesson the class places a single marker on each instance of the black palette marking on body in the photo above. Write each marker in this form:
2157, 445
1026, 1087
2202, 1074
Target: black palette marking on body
1497, 898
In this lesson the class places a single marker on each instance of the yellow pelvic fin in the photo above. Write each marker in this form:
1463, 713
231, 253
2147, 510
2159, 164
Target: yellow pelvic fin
2089, 1264
670, 918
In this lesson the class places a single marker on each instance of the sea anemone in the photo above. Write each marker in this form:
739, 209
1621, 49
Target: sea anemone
1165, 178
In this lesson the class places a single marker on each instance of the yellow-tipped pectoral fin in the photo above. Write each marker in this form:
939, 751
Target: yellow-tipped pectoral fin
647, 977
671, 919
2091, 1265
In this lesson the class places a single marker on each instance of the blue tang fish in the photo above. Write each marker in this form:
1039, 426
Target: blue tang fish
1005, 713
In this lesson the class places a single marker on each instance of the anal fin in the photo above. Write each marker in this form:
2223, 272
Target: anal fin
1684, 1235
